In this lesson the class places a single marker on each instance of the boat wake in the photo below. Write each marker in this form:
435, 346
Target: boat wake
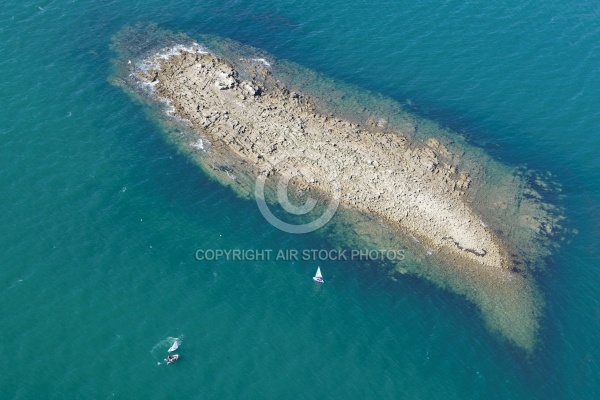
166, 345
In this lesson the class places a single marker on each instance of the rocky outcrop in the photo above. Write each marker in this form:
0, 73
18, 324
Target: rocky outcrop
470, 224
379, 171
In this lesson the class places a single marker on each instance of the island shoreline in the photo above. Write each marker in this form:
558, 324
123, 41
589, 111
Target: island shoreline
480, 254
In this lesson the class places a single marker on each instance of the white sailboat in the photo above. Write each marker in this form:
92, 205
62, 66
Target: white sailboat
175, 346
318, 277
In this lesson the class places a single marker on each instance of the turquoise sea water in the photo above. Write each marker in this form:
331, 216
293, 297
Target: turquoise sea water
101, 218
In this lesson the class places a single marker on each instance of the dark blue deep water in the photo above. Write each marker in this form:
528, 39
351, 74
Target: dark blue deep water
100, 216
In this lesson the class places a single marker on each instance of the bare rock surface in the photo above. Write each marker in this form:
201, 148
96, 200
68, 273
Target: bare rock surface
378, 171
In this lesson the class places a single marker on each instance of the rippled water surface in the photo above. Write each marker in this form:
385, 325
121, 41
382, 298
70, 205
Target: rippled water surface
101, 217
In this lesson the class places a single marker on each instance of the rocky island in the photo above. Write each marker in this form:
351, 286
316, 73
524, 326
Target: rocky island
243, 122
378, 170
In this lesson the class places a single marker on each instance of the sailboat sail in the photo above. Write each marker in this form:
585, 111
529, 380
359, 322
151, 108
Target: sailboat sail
318, 277
175, 346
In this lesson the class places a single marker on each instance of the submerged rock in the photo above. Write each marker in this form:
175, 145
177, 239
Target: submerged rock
248, 121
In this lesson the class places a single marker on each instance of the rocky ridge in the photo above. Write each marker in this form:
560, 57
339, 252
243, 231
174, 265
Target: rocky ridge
378, 171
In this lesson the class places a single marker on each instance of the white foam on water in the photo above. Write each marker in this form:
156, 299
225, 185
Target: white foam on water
153, 62
262, 60
169, 108
198, 144
165, 344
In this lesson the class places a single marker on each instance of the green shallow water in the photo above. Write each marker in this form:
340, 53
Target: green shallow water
101, 218
498, 193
